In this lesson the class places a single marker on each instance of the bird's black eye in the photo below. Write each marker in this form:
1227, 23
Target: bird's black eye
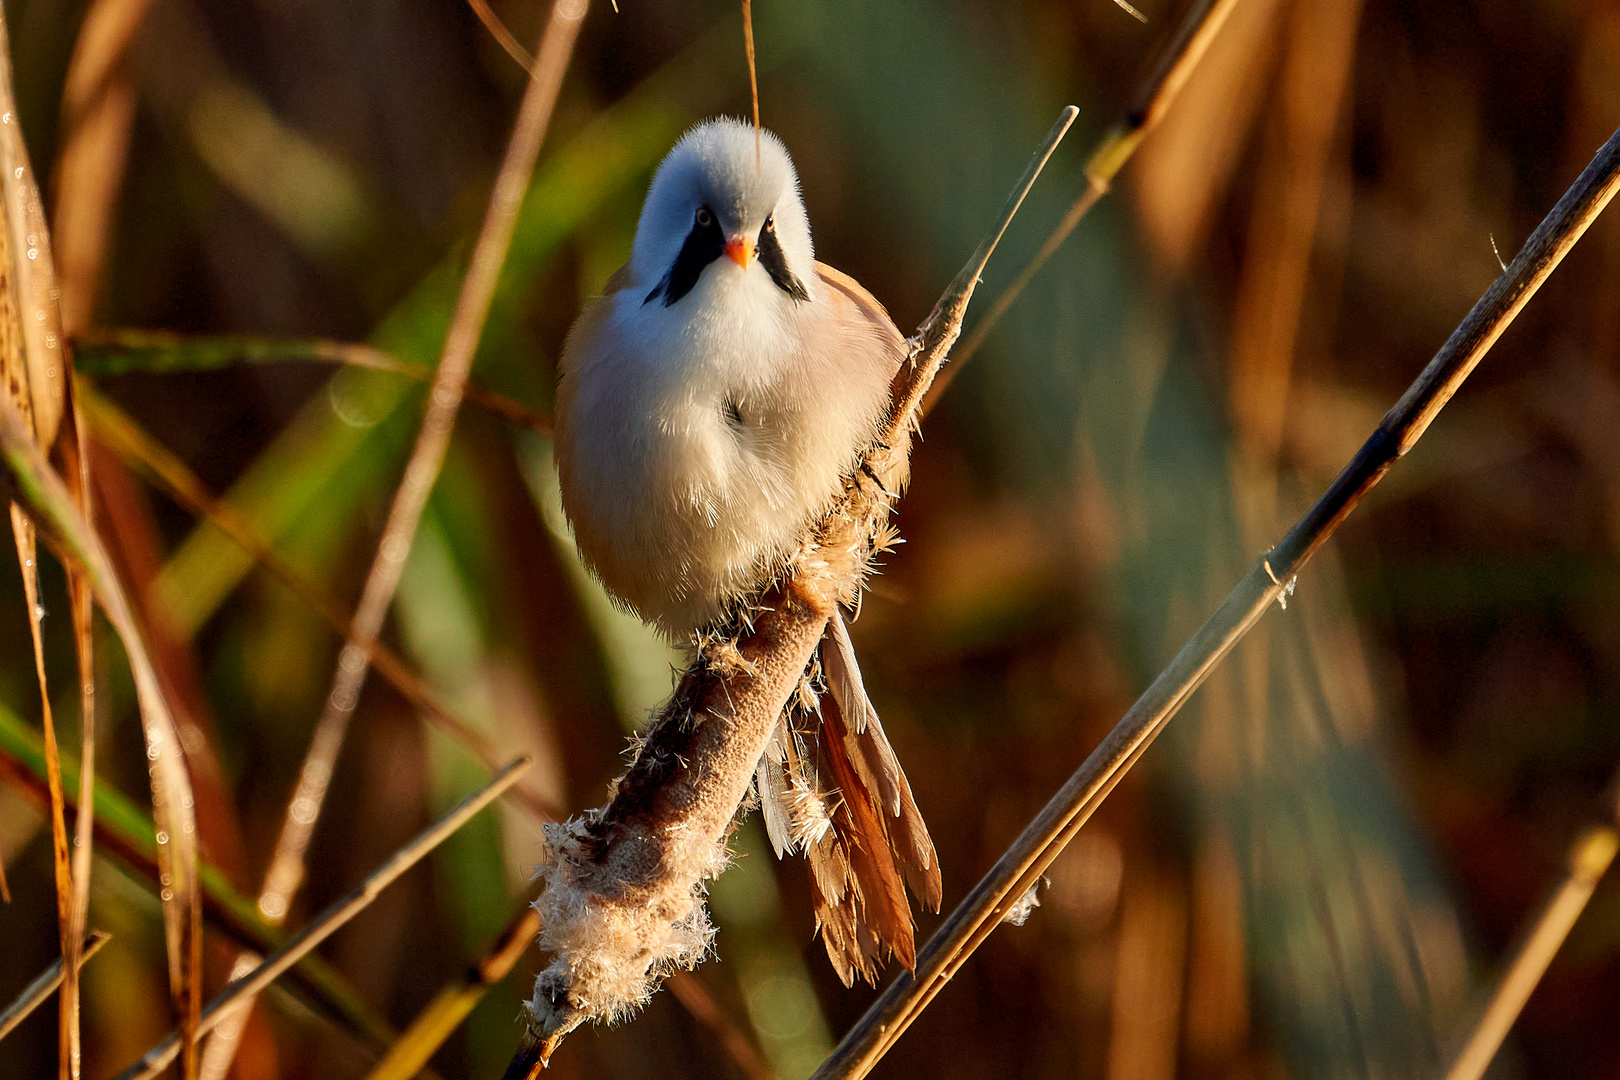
704, 218
770, 224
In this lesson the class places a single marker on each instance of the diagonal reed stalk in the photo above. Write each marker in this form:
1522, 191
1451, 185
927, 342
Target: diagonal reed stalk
1158, 92
328, 922
35, 993
427, 456
1588, 859
1023, 863
118, 432
286, 871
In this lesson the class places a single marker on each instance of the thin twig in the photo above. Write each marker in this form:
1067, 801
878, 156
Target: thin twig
753, 81
36, 992
497, 30
1030, 855
461, 342
931, 345
105, 352
691, 993
1588, 860
1157, 93
329, 921
119, 433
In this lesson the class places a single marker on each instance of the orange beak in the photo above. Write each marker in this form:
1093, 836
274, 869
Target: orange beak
740, 249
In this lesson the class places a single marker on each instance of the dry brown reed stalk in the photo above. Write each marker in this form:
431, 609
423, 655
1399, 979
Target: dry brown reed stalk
1317, 56
328, 922
1588, 859
115, 430
98, 106
104, 344
753, 79
31, 361
48, 500
497, 30
35, 993
98, 110
1158, 92
422, 469
622, 906
286, 872
1022, 864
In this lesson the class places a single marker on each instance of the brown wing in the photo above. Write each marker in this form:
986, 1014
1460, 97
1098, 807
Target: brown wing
847, 293
861, 313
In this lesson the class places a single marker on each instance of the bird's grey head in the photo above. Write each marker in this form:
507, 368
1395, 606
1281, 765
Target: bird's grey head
712, 197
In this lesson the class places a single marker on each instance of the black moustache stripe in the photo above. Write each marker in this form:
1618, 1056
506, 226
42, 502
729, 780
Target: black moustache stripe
775, 264
703, 245
706, 243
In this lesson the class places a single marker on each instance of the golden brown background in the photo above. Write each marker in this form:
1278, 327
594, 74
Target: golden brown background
1313, 874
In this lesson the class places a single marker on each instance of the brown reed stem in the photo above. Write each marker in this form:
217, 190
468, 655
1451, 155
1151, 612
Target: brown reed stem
1018, 868
1157, 93
427, 456
44, 985
1589, 858
329, 921
117, 432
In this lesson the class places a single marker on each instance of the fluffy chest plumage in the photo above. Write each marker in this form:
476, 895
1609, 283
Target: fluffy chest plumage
697, 441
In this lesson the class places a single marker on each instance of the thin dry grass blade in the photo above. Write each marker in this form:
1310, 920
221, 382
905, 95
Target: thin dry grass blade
120, 351
34, 364
118, 432
1158, 92
1588, 860
47, 498
466, 325
451, 1005
81, 601
22, 531
1029, 856
497, 30
328, 922
932, 343
98, 110
35, 993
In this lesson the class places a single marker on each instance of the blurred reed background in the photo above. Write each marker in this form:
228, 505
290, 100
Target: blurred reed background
1312, 875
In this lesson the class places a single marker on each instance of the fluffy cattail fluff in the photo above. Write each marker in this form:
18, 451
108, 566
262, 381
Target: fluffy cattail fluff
611, 952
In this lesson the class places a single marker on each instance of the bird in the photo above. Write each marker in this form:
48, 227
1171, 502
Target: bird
710, 406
